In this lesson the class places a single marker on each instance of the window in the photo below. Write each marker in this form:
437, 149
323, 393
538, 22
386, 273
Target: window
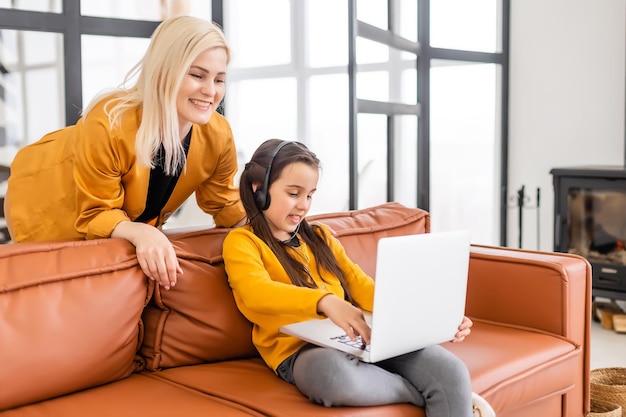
405, 106
464, 148
289, 84
402, 100
31, 83
465, 74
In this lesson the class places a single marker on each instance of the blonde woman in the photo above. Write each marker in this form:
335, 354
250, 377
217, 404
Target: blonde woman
136, 154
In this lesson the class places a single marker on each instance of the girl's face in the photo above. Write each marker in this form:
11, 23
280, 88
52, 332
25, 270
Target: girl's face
202, 89
290, 198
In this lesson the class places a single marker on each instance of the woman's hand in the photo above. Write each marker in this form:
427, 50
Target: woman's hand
464, 330
346, 316
154, 251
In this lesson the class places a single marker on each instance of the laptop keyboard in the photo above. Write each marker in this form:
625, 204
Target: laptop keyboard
357, 344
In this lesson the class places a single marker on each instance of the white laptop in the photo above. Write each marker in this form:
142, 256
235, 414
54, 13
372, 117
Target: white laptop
419, 298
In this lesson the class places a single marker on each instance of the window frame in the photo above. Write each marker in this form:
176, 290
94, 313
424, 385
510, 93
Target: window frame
72, 25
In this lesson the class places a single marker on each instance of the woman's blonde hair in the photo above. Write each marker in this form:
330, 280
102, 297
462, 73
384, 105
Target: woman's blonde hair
175, 44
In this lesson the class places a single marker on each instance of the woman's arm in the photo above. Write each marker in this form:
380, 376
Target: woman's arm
216, 156
155, 253
101, 159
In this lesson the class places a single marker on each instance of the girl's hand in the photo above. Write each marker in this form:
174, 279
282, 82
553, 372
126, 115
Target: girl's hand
154, 251
346, 316
464, 330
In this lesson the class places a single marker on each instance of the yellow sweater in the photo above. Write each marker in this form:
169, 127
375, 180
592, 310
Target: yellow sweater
265, 295
81, 181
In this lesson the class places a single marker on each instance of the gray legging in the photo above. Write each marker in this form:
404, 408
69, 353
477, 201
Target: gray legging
432, 378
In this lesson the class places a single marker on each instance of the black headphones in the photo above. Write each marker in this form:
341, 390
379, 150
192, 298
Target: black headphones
262, 195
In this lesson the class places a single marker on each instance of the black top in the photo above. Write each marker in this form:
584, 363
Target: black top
161, 185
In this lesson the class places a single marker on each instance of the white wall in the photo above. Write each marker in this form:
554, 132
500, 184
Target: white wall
567, 99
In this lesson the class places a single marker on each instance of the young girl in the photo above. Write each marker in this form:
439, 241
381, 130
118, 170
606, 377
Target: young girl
283, 269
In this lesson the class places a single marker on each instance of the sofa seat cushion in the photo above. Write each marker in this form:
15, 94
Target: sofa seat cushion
252, 384
138, 395
506, 363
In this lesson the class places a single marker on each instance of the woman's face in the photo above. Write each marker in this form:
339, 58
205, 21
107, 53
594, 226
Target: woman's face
202, 89
290, 198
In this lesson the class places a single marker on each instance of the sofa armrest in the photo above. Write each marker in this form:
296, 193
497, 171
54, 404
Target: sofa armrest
546, 291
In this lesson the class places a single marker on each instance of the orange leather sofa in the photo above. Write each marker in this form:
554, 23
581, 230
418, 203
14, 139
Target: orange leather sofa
83, 333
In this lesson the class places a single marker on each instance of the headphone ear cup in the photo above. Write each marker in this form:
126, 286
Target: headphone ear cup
267, 200
261, 195
262, 199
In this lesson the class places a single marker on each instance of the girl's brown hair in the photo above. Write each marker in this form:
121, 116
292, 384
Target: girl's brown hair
252, 177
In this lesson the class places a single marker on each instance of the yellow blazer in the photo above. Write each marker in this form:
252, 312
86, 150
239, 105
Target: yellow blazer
81, 181
265, 295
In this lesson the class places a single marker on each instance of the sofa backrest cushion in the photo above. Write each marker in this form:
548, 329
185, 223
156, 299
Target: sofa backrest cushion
69, 317
359, 230
198, 321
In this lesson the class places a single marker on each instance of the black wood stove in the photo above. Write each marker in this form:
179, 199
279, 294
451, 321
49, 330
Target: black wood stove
590, 220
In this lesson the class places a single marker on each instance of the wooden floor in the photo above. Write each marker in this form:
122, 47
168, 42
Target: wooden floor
608, 348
